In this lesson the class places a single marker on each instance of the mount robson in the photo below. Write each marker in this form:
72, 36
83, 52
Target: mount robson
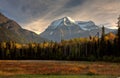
61, 29
66, 28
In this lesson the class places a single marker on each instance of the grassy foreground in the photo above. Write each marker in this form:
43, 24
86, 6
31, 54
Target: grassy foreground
59, 76
53, 69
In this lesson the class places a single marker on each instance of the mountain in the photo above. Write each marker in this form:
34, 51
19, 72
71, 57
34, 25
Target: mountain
10, 30
66, 28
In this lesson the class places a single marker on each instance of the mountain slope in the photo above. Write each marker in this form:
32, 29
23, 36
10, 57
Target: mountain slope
66, 28
10, 30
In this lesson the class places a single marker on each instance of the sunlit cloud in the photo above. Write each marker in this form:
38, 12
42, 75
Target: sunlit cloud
37, 26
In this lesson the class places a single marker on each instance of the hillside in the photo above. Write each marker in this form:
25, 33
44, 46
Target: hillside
11, 30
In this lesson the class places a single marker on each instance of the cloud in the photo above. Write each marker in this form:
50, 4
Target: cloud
100, 11
36, 15
73, 3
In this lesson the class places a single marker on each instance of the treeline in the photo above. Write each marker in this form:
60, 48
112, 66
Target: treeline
106, 48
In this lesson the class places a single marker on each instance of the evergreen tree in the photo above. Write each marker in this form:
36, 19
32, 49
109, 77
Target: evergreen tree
103, 34
118, 34
102, 43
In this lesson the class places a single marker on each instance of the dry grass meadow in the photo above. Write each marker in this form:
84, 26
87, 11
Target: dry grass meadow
11, 67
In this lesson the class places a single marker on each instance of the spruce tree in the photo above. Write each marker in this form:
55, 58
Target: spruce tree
102, 42
118, 34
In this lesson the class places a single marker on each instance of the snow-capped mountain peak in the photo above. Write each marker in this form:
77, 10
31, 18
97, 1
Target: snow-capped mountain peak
66, 28
65, 21
68, 19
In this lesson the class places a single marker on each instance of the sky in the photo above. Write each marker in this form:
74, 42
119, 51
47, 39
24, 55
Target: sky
37, 15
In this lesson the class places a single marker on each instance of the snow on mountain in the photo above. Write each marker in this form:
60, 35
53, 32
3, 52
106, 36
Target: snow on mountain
86, 25
66, 21
66, 28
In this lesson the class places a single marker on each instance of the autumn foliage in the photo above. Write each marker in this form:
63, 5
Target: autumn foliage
106, 48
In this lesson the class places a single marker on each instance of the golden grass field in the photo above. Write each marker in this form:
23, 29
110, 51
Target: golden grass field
12, 67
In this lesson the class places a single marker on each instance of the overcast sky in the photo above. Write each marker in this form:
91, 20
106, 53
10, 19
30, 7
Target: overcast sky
36, 15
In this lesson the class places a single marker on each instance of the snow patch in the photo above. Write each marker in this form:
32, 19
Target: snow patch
87, 26
51, 33
56, 23
69, 19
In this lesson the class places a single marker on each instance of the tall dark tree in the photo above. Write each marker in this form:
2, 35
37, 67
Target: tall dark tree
118, 29
118, 34
102, 42
103, 34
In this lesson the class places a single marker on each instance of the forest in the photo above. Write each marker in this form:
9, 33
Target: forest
106, 48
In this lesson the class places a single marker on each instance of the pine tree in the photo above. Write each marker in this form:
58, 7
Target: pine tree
103, 34
102, 42
118, 34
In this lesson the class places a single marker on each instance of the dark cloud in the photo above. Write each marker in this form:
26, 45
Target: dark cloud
74, 3
39, 14
29, 9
